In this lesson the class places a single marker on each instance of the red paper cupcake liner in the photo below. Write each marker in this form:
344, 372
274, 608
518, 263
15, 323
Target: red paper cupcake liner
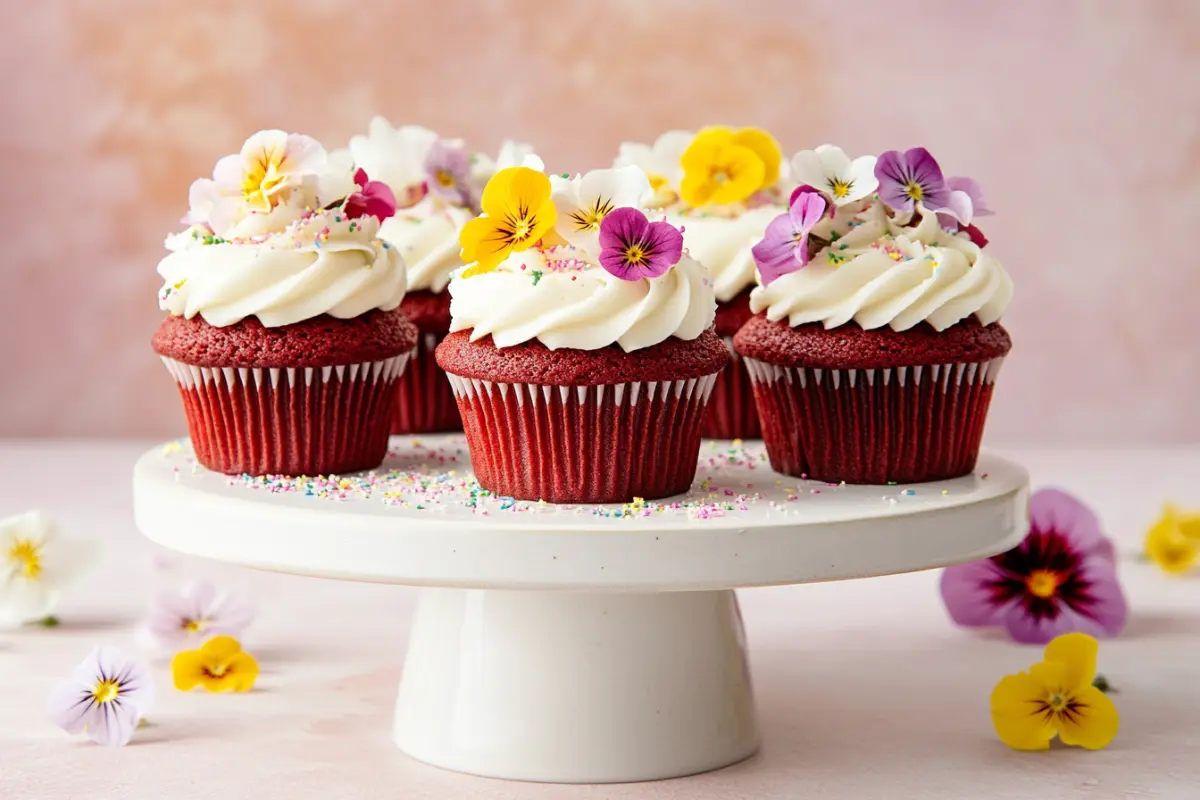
874, 426
583, 444
289, 421
732, 413
424, 402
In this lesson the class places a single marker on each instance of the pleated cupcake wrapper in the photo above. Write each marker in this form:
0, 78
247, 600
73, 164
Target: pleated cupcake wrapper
289, 420
583, 444
424, 402
731, 412
874, 426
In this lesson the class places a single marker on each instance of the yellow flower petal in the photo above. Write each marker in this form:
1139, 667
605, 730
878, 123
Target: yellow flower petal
1094, 720
242, 672
483, 244
1170, 543
744, 172
1017, 705
187, 670
220, 648
513, 192
704, 148
766, 148
1076, 652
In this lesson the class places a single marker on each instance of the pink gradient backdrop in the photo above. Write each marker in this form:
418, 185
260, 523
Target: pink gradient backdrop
1081, 119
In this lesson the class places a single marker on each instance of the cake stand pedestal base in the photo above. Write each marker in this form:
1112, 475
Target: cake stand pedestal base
576, 687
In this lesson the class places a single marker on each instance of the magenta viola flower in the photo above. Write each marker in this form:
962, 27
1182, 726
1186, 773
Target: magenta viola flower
632, 247
448, 171
909, 178
1062, 578
374, 198
784, 247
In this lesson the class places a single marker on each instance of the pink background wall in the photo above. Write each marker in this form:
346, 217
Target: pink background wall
1081, 120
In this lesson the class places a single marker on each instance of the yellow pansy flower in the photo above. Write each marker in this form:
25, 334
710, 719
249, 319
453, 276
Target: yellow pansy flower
1173, 543
517, 213
218, 666
1056, 698
723, 166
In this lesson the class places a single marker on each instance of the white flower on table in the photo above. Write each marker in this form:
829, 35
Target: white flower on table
105, 697
830, 170
585, 200
194, 614
36, 565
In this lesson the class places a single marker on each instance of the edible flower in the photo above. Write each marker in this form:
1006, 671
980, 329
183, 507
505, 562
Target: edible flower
218, 666
906, 179
105, 697
1061, 578
373, 198
722, 166
36, 566
1056, 698
517, 212
632, 247
448, 171
585, 200
270, 167
662, 163
831, 170
1173, 542
195, 613
785, 244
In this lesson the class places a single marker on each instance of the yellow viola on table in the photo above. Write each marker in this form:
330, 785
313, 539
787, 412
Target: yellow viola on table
1173, 542
219, 665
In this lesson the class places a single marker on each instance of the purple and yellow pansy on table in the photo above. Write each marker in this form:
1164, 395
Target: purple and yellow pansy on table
837, 193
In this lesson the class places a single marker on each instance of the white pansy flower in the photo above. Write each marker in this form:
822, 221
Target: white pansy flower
585, 200
36, 565
662, 162
395, 156
830, 170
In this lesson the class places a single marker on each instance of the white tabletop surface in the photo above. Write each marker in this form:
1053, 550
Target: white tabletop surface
865, 689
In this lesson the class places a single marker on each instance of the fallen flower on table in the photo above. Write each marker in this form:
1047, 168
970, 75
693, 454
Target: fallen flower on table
196, 613
106, 697
1056, 698
1061, 578
36, 565
1173, 542
218, 666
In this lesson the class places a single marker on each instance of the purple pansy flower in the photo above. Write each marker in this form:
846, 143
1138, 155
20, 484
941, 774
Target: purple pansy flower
632, 247
105, 697
374, 198
784, 247
966, 202
448, 171
1061, 578
911, 177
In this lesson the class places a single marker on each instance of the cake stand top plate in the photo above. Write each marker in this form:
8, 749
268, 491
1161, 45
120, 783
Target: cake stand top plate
422, 520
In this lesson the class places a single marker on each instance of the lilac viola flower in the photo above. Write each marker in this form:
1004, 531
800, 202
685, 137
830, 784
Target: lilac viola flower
966, 202
196, 613
784, 247
105, 697
909, 178
1062, 578
448, 171
632, 247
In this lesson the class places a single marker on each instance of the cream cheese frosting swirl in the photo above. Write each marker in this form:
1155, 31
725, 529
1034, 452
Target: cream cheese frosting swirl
426, 236
320, 264
563, 298
723, 244
877, 272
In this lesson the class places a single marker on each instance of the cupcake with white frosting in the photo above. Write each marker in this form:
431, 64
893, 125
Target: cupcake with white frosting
581, 350
876, 340
285, 334
721, 187
437, 184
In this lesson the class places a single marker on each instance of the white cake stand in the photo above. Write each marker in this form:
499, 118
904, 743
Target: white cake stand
573, 644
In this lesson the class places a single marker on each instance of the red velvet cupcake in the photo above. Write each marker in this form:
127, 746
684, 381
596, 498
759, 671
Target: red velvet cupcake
876, 342
581, 368
285, 336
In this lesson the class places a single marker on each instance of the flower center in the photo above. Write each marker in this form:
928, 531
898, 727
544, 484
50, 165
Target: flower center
445, 178
636, 254
264, 185
106, 691
914, 190
839, 187
216, 670
1042, 583
28, 561
521, 230
194, 625
589, 219
1058, 701
657, 182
